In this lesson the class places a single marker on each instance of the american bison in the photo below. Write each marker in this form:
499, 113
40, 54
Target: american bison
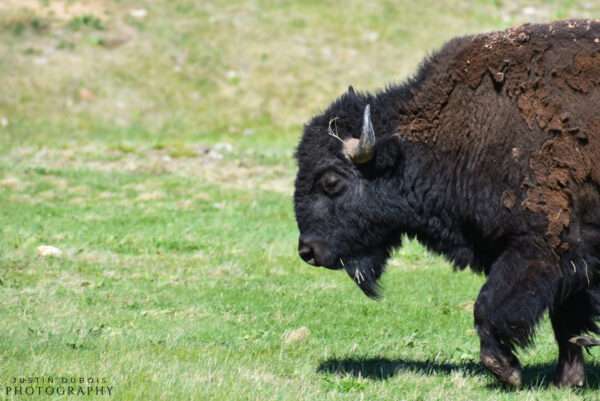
489, 155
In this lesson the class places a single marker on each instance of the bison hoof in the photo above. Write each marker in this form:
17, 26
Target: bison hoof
507, 372
570, 375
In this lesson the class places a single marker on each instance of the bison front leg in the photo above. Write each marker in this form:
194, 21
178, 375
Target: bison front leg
520, 287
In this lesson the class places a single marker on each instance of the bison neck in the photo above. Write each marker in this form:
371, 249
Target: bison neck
464, 161
451, 211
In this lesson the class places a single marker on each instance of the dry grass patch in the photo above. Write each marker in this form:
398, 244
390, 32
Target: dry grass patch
60, 9
12, 183
204, 165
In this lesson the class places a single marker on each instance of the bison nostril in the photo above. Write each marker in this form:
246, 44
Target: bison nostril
306, 252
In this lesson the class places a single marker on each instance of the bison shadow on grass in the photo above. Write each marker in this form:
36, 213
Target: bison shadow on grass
534, 376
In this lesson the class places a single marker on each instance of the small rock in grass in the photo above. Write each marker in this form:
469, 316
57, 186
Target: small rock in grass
529, 11
223, 147
49, 251
296, 335
371, 36
215, 155
139, 13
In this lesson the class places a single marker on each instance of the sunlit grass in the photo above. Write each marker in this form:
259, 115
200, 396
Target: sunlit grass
156, 151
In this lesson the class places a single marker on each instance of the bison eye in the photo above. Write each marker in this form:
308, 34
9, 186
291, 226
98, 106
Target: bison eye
331, 183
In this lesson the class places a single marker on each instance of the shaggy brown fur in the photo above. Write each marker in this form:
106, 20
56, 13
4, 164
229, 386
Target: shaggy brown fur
548, 76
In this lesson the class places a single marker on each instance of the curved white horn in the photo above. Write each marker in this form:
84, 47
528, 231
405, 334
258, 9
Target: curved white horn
360, 150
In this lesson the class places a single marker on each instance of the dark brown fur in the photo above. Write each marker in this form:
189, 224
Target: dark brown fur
548, 125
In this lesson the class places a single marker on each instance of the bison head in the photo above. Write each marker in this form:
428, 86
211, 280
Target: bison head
346, 188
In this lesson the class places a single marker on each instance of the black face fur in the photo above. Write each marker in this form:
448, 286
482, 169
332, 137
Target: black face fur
345, 208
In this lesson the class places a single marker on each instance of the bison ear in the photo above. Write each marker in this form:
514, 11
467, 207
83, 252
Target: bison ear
387, 158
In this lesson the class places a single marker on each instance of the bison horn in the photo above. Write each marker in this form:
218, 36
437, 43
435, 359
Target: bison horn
360, 150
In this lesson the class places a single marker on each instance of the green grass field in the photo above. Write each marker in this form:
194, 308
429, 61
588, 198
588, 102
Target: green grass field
151, 141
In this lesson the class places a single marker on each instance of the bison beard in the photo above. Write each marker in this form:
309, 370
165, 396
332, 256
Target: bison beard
365, 272
487, 156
